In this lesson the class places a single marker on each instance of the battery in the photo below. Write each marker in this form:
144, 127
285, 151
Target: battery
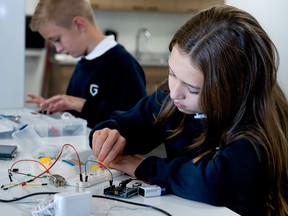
150, 191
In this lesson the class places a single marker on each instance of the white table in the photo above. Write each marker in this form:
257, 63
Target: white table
170, 203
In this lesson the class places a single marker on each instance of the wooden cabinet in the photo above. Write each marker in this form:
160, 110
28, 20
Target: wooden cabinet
156, 5
160, 5
154, 77
102, 4
59, 76
195, 5
129, 4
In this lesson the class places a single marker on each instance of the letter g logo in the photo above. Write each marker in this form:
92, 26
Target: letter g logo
94, 89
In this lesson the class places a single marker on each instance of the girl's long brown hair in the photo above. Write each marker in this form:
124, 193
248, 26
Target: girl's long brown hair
240, 95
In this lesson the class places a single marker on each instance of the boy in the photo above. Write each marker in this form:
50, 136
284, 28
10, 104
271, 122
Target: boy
106, 77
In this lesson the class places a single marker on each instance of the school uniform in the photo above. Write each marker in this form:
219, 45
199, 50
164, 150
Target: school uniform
109, 78
234, 178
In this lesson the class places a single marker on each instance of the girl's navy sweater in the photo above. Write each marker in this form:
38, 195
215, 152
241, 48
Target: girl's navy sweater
234, 178
113, 81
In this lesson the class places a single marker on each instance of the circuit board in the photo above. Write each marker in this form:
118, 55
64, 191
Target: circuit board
94, 178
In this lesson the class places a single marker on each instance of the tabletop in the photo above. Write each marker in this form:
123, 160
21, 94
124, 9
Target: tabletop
160, 205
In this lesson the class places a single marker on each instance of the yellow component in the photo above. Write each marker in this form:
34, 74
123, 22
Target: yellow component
94, 167
46, 161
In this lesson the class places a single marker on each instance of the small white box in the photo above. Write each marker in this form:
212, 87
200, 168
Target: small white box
150, 191
73, 203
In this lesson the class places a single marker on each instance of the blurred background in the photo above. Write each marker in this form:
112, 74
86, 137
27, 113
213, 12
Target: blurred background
144, 27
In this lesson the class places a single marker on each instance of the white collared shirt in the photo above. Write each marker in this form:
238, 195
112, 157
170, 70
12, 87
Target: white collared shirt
106, 44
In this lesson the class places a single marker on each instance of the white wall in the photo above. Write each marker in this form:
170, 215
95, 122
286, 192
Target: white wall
30, 6
12, 24
273, 17
161, 25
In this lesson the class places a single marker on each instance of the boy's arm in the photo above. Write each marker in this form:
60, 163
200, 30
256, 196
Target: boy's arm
60, 103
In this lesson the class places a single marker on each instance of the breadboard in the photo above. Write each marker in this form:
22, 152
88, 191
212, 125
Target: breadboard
94, 178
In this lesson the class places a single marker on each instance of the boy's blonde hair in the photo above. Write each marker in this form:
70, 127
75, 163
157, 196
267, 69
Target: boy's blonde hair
60, 12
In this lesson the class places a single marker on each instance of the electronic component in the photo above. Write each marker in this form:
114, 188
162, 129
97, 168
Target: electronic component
46, 161
94, 178
57, 180
125, 192
7, 152
150, 191
121, 190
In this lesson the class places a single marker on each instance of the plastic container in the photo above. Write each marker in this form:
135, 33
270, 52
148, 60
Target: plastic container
32, 144
54, 125
40, 126
7, 127
74, 127
70, 125
28, 140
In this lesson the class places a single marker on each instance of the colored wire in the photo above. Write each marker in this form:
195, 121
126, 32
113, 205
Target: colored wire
8, 186
25, 182
86, 176
57, 158
46, 169
98, 162
27, 174
28, 160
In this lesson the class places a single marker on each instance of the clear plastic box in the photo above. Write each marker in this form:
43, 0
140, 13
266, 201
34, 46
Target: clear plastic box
28, 140
7, 127
71, 125
53, 125
40, 126
32, 144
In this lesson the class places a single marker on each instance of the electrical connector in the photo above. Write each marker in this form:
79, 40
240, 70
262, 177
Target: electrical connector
124, 182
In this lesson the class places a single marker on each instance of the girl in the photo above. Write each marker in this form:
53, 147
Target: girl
223, 119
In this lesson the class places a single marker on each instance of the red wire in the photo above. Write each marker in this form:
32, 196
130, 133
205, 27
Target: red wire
47, 169
25, 160
28, 160
79, 162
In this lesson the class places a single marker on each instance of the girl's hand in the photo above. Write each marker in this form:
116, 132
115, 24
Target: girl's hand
107, 145
127, 164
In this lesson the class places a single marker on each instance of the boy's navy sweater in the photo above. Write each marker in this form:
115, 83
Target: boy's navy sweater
117, 78
234, 178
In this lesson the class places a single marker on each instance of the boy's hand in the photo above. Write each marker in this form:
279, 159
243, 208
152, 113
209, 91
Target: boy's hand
61, 103
107, 145
34, 99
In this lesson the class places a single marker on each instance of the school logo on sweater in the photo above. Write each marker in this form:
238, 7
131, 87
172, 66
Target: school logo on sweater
94, 89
